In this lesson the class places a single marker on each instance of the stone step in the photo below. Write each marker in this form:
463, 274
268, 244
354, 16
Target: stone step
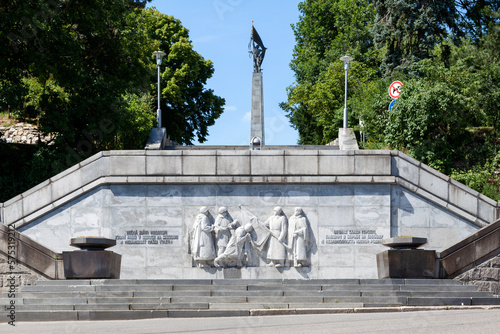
445, 301
142, 299
382, 301
207, 295
198, 282
428, 293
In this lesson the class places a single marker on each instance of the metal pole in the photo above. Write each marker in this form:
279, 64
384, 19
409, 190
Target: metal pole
158, 112
346, 65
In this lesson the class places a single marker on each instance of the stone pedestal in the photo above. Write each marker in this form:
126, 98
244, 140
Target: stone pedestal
257, 115
92, 261
404, 260
347, 140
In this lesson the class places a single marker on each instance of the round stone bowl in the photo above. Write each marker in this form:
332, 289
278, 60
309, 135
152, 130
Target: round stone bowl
92, 243
404, 242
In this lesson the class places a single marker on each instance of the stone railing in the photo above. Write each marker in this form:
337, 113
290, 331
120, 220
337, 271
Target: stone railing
244, 166
475, 260
22, 134
26, 260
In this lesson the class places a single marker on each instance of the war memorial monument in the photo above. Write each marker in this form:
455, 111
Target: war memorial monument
254, 213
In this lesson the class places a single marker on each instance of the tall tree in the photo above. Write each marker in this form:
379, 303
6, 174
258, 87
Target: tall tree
409, 30
477, 17
326, 31
188, 108
85, 70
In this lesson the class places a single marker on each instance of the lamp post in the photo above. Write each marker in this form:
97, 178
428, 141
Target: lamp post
346, 60
159, 55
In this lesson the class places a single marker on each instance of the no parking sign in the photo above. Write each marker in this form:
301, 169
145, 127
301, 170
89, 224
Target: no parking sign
395, 89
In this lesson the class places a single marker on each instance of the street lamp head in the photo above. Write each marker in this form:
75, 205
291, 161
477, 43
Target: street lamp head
159, 55
346, 60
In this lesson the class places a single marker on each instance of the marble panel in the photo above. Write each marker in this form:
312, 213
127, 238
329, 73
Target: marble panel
164, 195
335, 195
168, 216
128, 195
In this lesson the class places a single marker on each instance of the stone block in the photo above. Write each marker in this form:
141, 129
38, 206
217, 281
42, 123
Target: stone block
165, 164
46, 316
406, 263
91, 264
199, 162
300, 195
128, 195
267, 163
127, 165
233, 163
330, 163
372, 165
405, 169
486, 210
433, 184
232, 194
36, 198
268, 196
301, 162
12, 212
438, 301
372, 195
457, 260
164, 195
335, 194
487, 245
463, 199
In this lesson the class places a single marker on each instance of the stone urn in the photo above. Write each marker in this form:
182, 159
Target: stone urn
92, 260
405, 260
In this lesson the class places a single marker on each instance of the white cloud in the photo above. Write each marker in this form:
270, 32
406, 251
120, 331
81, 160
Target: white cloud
247, 117
230, 108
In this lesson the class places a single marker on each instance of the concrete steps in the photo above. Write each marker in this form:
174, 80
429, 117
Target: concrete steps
140, 299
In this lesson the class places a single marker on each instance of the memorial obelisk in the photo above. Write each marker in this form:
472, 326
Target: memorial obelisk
258, 51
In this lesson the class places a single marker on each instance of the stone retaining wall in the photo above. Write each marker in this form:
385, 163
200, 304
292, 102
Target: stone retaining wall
486, 276
22, 276
22, 134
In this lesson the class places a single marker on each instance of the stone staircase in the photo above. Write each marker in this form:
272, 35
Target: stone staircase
70, 300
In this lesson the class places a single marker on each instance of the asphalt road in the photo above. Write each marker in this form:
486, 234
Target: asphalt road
428, 322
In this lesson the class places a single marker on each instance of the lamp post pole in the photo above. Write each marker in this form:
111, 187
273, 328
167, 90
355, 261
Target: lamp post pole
159, 55
346, 60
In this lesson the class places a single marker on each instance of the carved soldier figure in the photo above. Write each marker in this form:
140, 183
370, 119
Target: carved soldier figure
298, 238
202, 241
224, 226
256, 49
278, 226
237, 251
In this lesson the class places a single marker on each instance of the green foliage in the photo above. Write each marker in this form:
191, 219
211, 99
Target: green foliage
84, 71
326, 31
409, 30
484, 178
138, 122
445, 53
188, 109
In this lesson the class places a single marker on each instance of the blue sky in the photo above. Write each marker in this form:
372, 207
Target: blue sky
220, 31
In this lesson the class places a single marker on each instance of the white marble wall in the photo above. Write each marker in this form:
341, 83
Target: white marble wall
347, 220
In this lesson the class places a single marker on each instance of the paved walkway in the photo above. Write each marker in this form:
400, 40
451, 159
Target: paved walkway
424, 322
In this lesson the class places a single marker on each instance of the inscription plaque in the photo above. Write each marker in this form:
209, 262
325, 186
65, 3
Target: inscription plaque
147, 237
351, 237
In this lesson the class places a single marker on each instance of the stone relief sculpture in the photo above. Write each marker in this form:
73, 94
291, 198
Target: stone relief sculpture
224, 227
278, 241
202, 241
299, 238
278, 226
238, 250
